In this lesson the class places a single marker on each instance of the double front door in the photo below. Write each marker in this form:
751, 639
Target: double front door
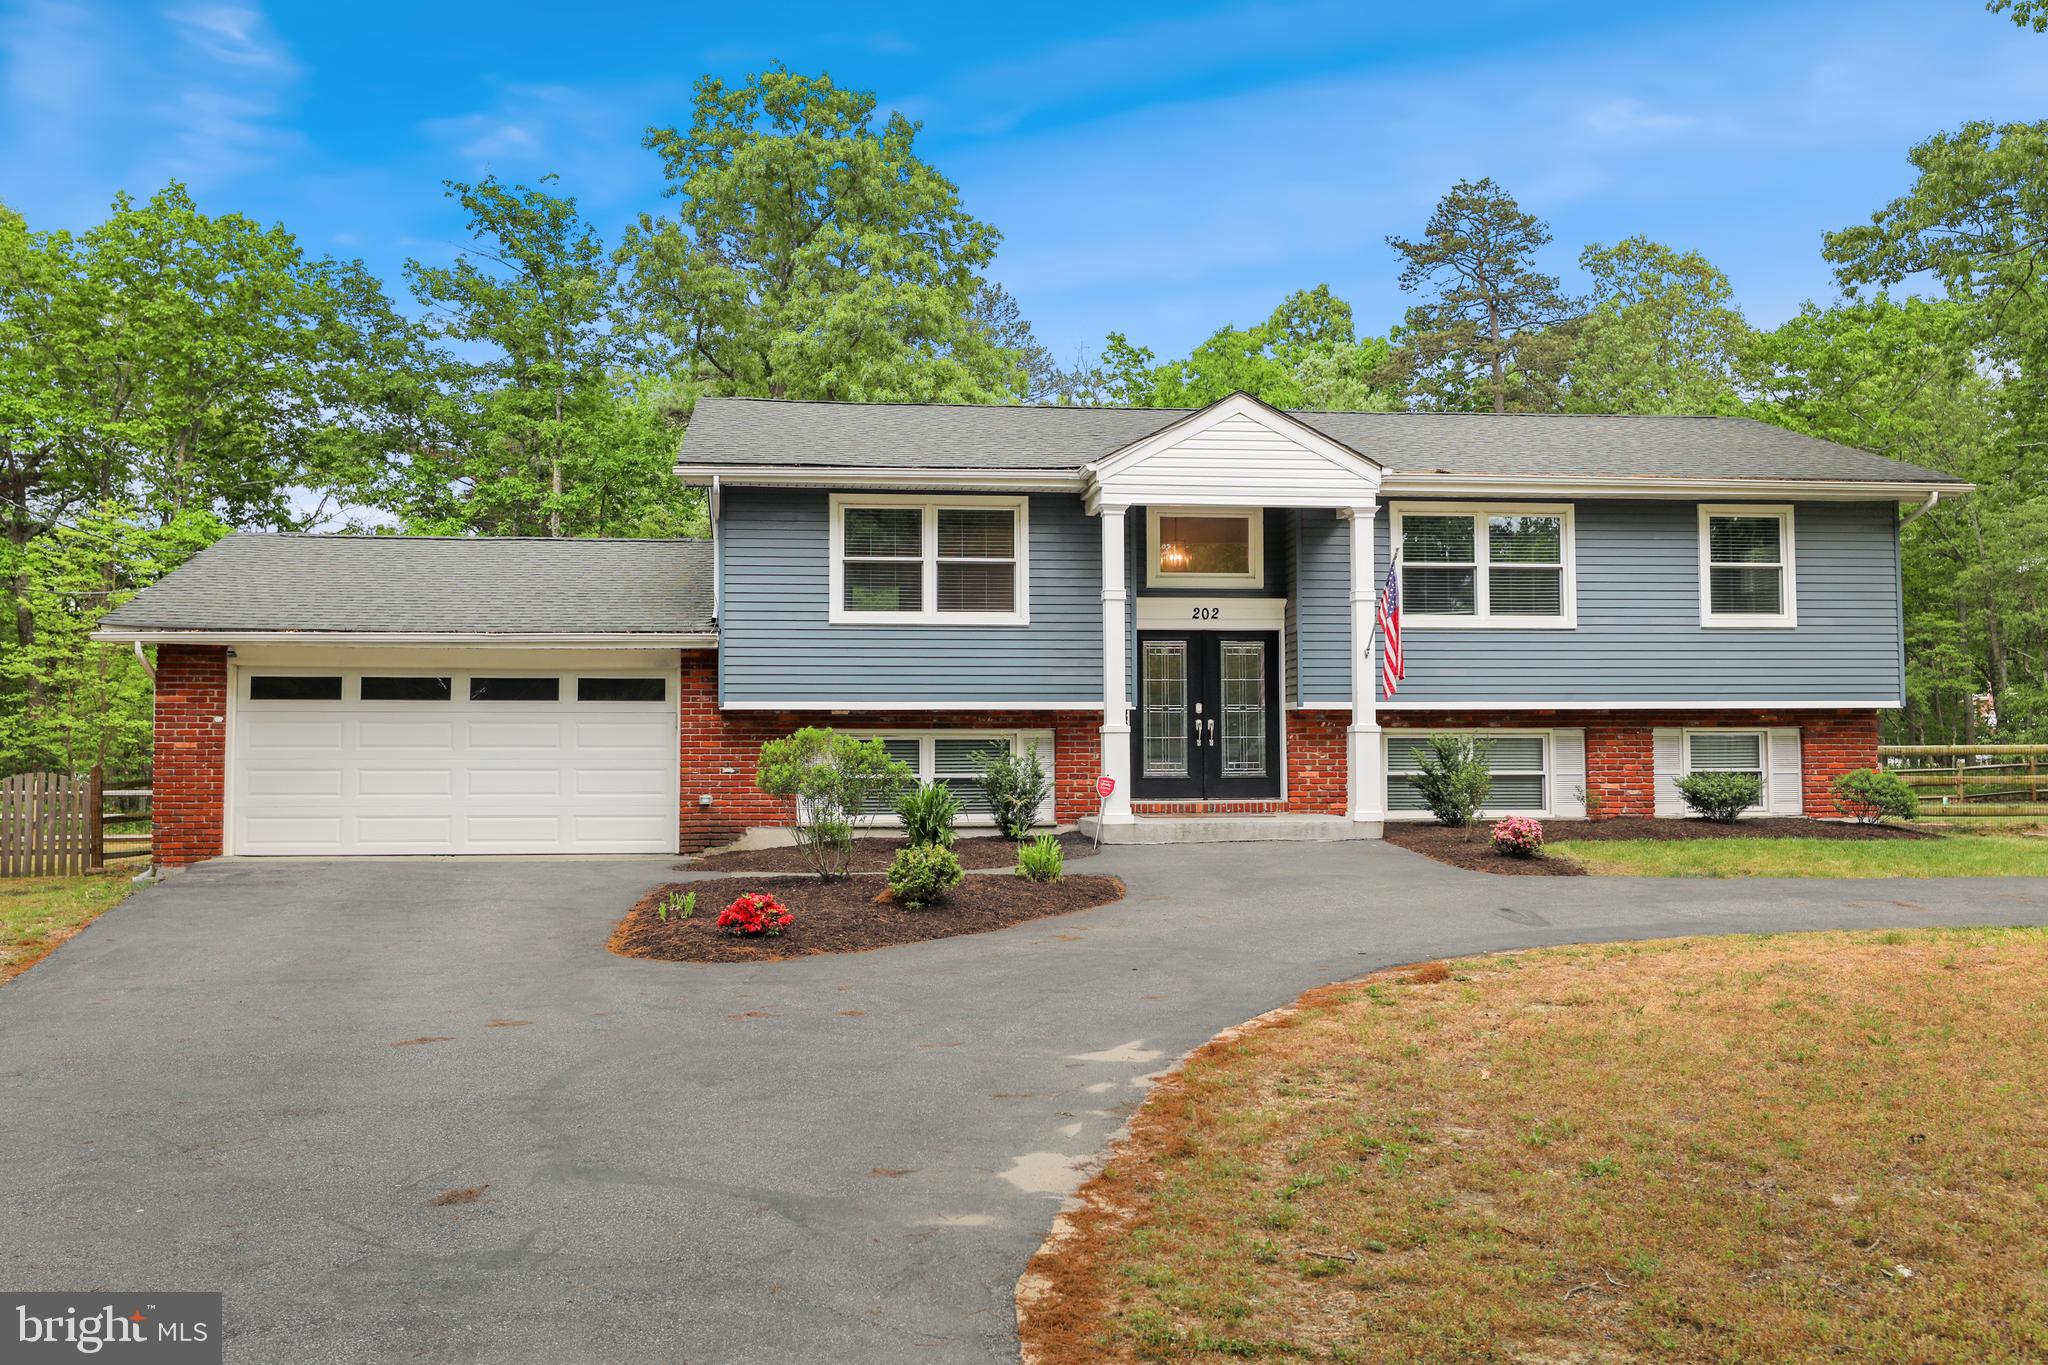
1208, 715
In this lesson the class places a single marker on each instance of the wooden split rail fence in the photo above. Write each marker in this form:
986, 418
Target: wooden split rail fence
55, 825
1972, 779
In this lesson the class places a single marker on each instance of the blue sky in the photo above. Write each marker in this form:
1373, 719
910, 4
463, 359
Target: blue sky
1156, 169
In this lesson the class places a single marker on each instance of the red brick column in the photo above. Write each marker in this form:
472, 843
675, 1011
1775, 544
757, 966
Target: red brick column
189, 776
1318, 762
1620, 769
1831, 745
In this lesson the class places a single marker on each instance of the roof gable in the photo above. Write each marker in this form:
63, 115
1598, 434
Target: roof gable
1236, 450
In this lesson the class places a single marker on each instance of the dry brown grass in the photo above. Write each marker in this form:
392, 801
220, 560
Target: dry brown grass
1811, 1147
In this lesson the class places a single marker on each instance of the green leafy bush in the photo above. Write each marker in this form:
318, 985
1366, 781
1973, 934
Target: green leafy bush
835, 779
928, 812
1453, 780
1042, 859
922, 874
1015, 786
1721, 796
1871, 794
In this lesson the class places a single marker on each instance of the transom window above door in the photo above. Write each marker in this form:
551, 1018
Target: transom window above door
1205, 547
1505, 566
919, 560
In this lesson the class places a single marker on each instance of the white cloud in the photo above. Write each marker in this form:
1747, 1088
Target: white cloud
55, 57
224, 110
232, 35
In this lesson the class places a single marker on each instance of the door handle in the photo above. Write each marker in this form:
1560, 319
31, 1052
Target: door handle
1212, 733
1198, 732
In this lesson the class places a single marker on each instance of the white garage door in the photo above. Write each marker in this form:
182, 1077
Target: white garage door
453, 760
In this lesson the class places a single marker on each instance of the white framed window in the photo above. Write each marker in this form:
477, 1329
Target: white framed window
948, 756
1496, 565
1519, 761
1205, 547
1731, 751
1746, 565
917, 560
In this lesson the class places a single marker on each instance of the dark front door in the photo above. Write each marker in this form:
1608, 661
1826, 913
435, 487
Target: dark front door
1208, 715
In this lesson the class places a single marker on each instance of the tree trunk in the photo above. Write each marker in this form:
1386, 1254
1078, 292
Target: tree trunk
1500, 388
555, 473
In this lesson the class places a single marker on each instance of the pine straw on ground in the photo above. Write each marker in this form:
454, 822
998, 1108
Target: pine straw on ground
1811, 1147
872, 854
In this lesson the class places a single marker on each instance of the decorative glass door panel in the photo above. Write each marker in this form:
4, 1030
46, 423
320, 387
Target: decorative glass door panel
1242, 680
1167, 737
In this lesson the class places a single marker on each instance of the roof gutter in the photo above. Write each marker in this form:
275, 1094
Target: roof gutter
1922, 510
856, 476
145, 635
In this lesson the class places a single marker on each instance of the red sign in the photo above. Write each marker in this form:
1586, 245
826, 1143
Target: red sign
1104, 785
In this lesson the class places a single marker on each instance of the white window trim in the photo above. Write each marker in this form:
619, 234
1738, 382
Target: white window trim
1789, 588
1255, 531
1481, 618
927, 764
1763, 749
1388, 738
930, 615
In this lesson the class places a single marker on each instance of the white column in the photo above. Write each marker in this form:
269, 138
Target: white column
1367, 783
1116, 724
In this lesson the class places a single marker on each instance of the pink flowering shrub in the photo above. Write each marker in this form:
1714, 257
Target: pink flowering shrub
1518, 837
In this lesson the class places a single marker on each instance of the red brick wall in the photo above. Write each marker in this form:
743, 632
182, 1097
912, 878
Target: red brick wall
1318, 762
1620, 769
1830, 746
721, 748
189, 775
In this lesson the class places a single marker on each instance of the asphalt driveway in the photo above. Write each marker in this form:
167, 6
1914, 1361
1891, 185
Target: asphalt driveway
258, 1077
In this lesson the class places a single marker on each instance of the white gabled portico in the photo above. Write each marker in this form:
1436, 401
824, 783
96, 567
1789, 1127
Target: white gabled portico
1237, 453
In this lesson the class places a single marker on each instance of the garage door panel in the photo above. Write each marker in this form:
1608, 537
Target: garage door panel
488, 782
293, 782
405, 782
451, 775
404, 736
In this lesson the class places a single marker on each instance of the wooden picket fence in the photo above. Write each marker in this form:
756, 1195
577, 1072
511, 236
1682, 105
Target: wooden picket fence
50, 825
1972, 779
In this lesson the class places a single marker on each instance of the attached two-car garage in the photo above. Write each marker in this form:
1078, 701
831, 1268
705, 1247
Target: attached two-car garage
468, 752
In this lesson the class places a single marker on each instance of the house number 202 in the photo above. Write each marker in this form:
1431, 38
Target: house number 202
1205, 613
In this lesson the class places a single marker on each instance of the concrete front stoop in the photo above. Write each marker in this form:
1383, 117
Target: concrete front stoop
1232, 829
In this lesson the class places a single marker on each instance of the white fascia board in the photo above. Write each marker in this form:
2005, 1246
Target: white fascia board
1624, 486
522, 640
854, 476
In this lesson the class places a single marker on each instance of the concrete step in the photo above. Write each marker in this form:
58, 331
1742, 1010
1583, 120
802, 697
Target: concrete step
1231, 829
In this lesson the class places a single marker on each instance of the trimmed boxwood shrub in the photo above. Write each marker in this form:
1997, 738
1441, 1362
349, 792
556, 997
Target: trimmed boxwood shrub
923, 874
1721, 797
1870, 794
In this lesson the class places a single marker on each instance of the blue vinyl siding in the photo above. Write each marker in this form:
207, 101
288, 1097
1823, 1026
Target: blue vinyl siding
776, 645
1639, 636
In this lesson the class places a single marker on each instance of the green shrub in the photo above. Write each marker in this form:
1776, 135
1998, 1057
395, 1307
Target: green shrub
835, 779
928, 812
1721, 796
682, 904
1015, 786
1042, 859
922, 874
1453, 780
1871, 794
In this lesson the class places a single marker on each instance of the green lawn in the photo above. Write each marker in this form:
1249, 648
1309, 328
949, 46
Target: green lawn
38, 913
1967, 855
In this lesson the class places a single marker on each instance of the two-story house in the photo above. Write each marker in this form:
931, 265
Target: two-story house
1181, 602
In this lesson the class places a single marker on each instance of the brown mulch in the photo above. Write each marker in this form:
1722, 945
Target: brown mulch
873, 855
1471, 849
843, 916
1453, 846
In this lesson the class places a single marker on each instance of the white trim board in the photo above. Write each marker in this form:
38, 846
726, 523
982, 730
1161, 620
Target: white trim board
1677, 706
1194, 611
909, 707
453, 639
928, 505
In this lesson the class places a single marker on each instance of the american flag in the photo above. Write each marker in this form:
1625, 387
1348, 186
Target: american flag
1392, 667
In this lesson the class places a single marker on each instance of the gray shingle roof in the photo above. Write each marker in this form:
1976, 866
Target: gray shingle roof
756, 431
431, 584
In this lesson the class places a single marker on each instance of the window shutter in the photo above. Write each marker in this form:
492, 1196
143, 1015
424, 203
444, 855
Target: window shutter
1786, 782
1568, 774
1667, 762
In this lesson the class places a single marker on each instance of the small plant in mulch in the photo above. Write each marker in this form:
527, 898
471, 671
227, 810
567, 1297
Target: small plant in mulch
1042, 859
922, 875
1518, 837
681, 904
928, 812
755, 915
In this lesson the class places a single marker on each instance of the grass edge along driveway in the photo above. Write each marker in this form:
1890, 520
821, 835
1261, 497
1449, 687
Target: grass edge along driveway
1952, 855
1815, 1146
37, 914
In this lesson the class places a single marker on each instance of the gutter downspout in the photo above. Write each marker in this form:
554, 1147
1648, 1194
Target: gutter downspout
717, 556
1922, 510
143, 659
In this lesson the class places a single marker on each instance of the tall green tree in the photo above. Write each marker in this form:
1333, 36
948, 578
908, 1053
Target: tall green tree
812, 254
1306, 354
1489, 332
548, 435
1662, 334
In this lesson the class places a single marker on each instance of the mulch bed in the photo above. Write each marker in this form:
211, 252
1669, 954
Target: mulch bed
844, 916
1452, 846
873, 855
1471, 848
